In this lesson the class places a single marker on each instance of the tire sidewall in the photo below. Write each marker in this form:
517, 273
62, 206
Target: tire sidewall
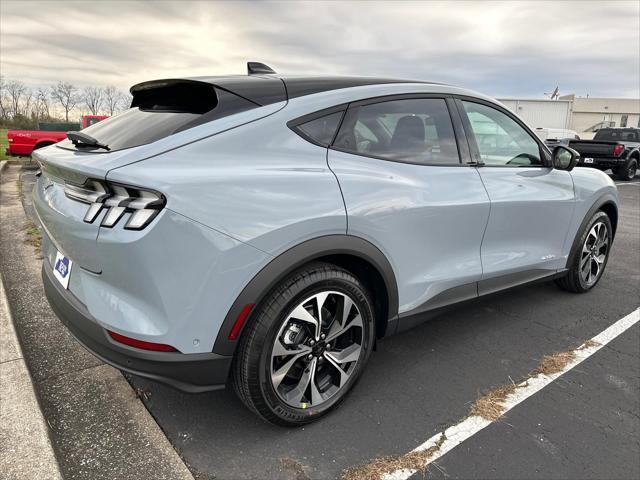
623, 172
597, 217
632, 162
360, 297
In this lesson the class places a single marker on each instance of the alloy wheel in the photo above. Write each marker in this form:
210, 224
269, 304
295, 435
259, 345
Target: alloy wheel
594, 253
317, 349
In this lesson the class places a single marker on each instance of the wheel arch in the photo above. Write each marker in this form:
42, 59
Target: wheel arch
606, 203
43, 143
355, 254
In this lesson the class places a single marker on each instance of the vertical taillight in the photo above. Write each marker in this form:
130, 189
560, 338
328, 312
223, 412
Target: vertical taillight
617, 150
142, 205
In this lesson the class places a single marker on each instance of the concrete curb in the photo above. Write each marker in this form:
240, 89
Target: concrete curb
25, 445
26, 449
98, 424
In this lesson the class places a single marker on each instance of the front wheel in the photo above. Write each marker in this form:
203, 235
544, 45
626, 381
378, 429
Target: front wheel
591, 253
306, 346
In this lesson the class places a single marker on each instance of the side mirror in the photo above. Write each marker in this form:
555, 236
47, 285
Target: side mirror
565, 158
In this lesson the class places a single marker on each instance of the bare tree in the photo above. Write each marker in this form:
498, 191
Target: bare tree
114, 100
24, 107
4, 112
92, 97
16, 94
67, 96
41, 106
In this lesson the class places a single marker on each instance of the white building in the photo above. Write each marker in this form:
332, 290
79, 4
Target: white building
584, 115
590, 114
541, 113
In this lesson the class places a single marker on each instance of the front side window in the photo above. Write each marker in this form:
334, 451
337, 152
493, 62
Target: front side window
500, 139
417, 130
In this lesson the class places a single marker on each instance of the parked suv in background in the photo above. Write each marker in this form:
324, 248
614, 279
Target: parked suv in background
265, 231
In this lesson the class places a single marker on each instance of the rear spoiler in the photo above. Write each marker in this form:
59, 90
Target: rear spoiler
256, 88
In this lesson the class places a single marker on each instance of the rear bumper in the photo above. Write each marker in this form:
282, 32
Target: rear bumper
193, 373
602, 163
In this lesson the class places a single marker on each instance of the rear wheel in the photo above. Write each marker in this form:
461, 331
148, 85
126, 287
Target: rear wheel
306, 346
627, 171
591, 253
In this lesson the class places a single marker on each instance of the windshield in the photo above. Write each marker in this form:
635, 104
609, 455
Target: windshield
617, 135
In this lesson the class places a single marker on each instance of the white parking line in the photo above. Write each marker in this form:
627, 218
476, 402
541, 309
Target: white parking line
454, 436
627, 183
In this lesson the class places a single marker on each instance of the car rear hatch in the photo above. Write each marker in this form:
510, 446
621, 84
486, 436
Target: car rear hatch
160, 110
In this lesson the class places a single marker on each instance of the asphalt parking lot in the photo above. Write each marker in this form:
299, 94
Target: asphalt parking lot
586, 424
420, 382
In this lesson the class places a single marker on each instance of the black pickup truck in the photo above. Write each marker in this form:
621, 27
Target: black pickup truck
617, 149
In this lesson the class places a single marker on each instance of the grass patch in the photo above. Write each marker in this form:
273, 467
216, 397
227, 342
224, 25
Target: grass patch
19, 186
378, 467
34, 236
4, 144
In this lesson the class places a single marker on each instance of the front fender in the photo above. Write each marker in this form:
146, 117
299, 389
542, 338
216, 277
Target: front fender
594, 190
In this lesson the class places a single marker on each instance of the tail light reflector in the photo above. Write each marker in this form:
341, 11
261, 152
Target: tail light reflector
242, 317
132, 342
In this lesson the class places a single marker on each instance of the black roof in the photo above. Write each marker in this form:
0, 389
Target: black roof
267, 89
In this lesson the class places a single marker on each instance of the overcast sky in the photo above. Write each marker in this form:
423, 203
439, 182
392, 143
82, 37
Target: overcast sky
500, 48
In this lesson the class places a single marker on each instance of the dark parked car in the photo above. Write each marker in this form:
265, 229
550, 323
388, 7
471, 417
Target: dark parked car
617, 149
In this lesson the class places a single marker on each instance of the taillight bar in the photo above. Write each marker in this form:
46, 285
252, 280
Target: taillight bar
118, 199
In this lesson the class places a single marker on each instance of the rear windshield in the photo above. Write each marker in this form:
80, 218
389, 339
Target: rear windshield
162, 111
616, 135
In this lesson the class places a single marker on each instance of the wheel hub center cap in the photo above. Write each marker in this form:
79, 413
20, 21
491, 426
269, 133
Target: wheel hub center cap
319, 348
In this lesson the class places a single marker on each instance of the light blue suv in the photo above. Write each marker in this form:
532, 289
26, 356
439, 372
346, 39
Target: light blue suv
265, 231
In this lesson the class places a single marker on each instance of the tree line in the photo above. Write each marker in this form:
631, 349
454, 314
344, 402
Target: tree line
22, 106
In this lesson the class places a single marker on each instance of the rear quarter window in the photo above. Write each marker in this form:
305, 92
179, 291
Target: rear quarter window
320, 130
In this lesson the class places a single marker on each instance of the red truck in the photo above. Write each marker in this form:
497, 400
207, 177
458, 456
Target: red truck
23, 142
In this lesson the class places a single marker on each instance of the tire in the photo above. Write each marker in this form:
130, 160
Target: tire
592, 244
628, 171
287, 371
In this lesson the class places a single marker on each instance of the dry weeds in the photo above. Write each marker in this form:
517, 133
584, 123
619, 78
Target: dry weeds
295, 468
34, 237
589, 344
378, 467
554, 363
490, 406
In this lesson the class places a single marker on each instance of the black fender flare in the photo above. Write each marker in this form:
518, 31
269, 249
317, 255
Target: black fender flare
605, 199
285, 263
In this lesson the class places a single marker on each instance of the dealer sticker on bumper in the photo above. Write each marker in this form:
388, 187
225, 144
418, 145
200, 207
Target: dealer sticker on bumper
588, 160
62, 269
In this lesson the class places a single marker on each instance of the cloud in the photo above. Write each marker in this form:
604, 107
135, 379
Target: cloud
501, 48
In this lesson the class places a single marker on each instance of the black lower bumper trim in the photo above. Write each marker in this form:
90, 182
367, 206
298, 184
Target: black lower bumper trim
197, 372
602, 163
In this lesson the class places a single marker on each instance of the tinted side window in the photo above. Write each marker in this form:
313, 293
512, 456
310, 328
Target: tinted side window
321, 130
415, 130
501, 140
